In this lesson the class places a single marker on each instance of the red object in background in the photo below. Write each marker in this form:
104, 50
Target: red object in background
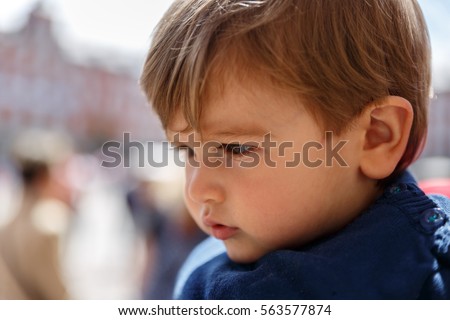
436, 186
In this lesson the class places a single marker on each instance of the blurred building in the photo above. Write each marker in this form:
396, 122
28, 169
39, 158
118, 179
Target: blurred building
438, 142
41, 86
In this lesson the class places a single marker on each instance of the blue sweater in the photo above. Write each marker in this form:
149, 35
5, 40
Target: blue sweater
397, 249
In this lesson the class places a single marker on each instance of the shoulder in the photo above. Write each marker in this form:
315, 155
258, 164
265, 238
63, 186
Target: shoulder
202, 253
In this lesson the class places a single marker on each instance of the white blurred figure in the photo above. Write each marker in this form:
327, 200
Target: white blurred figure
99, 260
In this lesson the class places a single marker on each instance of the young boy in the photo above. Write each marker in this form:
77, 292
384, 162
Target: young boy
300, 118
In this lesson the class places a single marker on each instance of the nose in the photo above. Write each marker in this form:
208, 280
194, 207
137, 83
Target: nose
203, 184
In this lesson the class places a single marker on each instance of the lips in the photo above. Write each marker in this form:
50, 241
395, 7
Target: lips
219, 231
222, 232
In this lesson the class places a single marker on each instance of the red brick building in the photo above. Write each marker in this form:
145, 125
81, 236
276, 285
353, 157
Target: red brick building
40, 86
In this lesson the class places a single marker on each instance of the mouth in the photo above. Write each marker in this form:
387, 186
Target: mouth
219, 231
222, 232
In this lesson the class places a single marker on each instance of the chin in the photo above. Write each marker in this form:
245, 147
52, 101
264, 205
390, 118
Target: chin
243, 257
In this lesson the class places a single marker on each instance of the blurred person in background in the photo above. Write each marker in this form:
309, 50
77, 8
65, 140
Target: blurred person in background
174, 240
148, 221
163, 222
30, 244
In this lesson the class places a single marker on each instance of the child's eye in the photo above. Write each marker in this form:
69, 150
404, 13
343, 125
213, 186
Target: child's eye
238, 149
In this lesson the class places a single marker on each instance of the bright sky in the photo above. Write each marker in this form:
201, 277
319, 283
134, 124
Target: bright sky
121, 24
126, 25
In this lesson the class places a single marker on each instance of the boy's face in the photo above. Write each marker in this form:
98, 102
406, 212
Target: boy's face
259, 195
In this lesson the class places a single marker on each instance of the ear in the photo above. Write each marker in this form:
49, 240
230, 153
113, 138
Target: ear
386, 125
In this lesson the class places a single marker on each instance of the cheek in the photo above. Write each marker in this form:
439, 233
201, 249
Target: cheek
280, 194
266, 197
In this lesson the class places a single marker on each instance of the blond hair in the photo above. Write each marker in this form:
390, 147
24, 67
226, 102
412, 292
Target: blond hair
337, 55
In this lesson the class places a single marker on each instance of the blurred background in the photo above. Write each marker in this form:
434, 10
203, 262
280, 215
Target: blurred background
68, 78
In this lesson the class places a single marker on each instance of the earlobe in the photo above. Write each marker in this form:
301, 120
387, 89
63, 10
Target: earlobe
387, 125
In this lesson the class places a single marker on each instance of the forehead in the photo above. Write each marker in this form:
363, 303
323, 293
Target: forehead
241, 106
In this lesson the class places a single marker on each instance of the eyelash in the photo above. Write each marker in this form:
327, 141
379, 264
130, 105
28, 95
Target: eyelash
230, 148
242, 149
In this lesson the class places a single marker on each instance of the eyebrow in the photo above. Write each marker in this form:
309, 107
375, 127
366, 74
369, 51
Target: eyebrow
235, 133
